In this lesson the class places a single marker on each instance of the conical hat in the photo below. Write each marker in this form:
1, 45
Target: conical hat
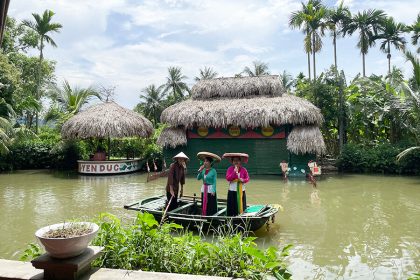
181, 155
244, 157
202, 155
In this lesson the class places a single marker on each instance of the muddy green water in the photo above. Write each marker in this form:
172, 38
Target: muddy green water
351, 227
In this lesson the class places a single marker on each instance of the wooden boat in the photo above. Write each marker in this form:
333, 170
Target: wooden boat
188, 214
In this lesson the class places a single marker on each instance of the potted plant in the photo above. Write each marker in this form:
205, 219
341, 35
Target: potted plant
66, 240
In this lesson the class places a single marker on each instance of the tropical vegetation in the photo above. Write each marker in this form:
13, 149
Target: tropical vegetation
148, 246
368, 110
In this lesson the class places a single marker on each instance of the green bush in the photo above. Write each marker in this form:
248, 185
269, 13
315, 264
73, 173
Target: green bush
66, 153
34, 154
43, 153
147, 246
379, 158
127, 148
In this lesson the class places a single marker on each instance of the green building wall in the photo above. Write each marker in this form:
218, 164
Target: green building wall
265, 155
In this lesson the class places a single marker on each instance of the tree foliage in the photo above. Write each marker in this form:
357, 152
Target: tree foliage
205, 74
258, 68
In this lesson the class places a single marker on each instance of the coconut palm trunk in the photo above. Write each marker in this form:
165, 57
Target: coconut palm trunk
38, 86
335, 50
313, 55
364, 65
341, 114
389, 58
309, 66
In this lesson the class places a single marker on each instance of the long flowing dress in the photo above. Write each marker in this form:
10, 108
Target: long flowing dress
176, 177
208, 191
236, 198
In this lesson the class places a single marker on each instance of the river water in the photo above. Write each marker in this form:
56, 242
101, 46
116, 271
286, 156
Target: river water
350, 227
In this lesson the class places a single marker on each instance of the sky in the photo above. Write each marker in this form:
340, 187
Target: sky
130, 44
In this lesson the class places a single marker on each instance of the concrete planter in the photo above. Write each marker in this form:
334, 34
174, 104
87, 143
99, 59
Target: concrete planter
66, 247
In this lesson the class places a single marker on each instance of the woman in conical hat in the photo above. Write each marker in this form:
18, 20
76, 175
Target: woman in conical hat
209, 176
238, 177
176, 177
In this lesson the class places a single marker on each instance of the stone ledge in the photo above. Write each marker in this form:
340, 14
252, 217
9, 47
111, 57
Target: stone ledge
17, 270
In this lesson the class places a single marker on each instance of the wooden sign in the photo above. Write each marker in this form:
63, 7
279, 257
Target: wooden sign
108, 167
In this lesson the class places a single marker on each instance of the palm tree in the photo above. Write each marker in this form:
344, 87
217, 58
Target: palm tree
298, 20
206, 74
336, 19
286, 81
69, 101
175, 83
415, 96
10, 130
6, 127
43, 27
259, 69
316, 18
151, 103
415, 28
5, 139
392, 34
415, 80
311, 19
368, 23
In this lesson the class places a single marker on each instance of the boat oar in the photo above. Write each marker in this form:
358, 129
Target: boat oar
157, 175
166, 210
312, 179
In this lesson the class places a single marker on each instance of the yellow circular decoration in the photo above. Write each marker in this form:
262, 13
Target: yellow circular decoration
267, 131
234, 131
203, 131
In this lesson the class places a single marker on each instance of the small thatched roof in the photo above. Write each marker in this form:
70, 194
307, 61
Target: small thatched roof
243, 112
306, 139
239, 87
172, 137
106, 120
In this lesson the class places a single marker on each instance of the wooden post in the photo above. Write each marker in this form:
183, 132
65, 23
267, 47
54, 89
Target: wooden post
109, 147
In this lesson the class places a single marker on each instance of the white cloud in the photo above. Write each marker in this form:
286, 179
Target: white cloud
135, 47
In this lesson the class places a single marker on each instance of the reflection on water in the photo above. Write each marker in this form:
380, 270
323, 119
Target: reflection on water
348, 227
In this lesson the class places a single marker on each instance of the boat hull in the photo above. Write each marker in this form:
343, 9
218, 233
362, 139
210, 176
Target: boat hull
188, 215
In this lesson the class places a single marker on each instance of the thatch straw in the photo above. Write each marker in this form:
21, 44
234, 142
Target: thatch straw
245, 112
106, 120
306, 139
237, 87
172, 137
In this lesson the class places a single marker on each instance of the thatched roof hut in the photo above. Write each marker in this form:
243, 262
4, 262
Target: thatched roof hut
106, 120
306, 139
172, 137
243, 112
249, 105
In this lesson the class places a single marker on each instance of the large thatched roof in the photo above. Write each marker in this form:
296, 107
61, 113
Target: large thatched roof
238, 87
244, 112
172, 137
247, 102
306, 139
106, 120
